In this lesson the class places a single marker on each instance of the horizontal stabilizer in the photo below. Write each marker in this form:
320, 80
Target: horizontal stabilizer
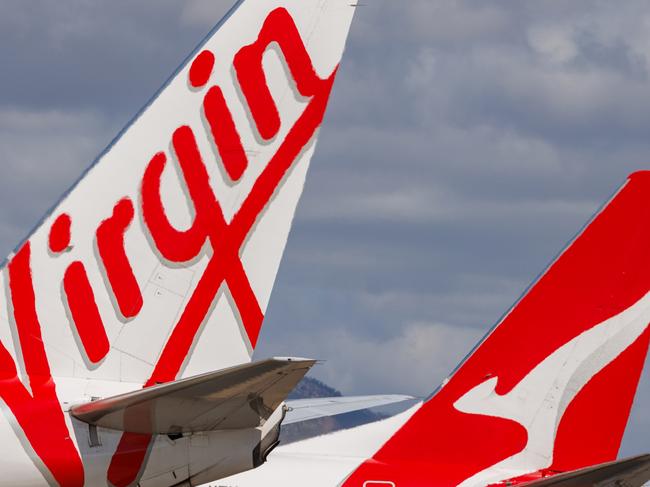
319, 407
238, 397
631, 472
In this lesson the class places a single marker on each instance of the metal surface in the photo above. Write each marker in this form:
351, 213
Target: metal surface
306, 409
238, 397
630, 472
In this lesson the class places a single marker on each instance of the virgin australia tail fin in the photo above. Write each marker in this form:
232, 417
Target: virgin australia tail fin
552, 385
159, 262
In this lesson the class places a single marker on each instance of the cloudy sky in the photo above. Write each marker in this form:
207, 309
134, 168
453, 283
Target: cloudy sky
466, 142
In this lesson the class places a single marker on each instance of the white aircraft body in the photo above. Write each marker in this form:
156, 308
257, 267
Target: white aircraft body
131, 312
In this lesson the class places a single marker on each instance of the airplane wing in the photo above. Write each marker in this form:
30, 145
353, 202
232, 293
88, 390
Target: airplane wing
630, 472
314, 408
238, 397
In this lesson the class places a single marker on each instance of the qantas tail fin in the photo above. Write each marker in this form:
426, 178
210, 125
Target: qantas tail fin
551, 386
159, 262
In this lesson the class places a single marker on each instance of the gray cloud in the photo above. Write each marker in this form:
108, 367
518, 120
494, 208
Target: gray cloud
36, 172
465, 144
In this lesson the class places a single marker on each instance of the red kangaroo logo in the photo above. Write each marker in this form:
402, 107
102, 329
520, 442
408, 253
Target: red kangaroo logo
38, 414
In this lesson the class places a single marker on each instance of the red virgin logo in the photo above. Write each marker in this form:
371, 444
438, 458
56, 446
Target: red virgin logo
46, 430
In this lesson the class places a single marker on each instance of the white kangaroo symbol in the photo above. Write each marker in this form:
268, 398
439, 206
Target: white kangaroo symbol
539, 401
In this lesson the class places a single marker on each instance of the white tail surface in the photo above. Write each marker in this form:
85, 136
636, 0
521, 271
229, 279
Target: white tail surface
159, 263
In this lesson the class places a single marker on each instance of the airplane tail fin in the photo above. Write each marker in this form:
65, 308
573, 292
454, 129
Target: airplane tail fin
158, 264
551, 386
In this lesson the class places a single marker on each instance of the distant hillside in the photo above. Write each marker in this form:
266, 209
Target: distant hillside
310, 387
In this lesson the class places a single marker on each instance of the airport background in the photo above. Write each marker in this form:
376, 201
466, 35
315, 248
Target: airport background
465, 144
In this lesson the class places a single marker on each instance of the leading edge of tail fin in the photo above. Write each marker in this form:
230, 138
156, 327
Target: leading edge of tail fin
159, 262
552, 385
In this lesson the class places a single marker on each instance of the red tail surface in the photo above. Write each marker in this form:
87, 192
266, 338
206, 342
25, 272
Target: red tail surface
552, 385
